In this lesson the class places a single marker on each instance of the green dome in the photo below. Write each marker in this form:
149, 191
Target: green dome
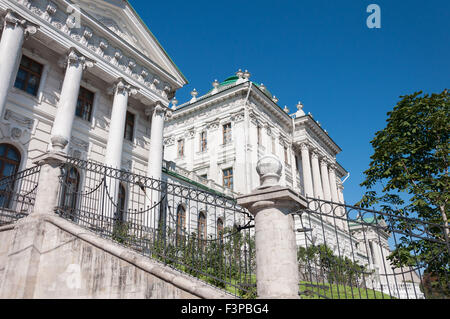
233, 79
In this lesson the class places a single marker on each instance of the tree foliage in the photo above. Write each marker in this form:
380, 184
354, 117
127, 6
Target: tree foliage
410, 162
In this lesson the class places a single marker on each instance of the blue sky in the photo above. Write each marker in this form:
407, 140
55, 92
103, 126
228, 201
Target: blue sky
320, 52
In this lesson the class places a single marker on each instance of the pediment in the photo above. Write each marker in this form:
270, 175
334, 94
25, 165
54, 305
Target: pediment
120, 18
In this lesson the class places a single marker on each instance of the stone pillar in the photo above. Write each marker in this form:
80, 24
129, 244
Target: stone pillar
15, 30
114, 146
276, 250
325, 180
318, 190
339, 211
49, 182
155, 157
340, 188
61, 133
122, 90
307, 176
333, 184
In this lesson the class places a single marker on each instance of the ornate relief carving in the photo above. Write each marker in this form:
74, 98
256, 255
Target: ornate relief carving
87, 37
19, 119
13, 20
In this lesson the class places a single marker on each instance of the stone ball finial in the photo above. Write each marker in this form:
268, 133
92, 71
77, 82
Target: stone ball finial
269, 169
174, 103
247, 75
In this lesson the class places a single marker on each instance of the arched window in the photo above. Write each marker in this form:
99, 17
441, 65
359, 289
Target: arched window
181, 222
69, 192
121, 203
9, 165
202, 228
220, 228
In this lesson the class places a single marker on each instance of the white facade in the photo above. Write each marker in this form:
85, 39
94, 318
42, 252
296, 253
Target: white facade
103, 48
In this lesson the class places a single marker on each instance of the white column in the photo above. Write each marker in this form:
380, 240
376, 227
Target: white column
15, 29
333, 184
328, 209
341, 200
318, 190
155, 156
340, 212
113, 156
62, 126
154, 163
325, 180
307, 176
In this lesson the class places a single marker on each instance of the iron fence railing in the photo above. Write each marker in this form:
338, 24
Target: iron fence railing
203, 234
347, 252
17, 194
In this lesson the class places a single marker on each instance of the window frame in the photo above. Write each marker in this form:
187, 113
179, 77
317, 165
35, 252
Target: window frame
92, 101
127, 122
29, 72
180, 147
226, 133
227, 180
5, 160
203, 141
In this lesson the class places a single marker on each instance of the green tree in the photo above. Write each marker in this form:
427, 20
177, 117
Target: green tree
410, 162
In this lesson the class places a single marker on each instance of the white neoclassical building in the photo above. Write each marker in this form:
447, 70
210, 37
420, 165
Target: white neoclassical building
86, 78
89, 79
221, 135
218, 138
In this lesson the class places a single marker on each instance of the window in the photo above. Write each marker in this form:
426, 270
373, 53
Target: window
120, 228
9, 165
228, 178
84, 104
181, 223
204, 176
273, 145
129, 126
180, 148
220, 229
203, 142
69, 192
227, 133
29, 76
121, 203
202, 228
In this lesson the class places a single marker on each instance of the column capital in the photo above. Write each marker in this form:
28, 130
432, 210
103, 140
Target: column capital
304, 146
158, 109
315, 154
75, 58
324, 162
121, 87
332, 166
14, 20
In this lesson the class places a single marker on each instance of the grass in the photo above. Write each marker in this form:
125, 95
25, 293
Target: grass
311, 290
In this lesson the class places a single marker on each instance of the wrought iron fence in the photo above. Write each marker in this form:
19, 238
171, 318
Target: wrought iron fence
203, 234
17, 194
347, 252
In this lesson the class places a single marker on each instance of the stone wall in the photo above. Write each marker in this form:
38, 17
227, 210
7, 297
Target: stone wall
48, 257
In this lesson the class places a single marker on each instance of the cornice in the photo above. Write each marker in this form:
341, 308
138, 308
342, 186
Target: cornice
88, 41
312, 125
